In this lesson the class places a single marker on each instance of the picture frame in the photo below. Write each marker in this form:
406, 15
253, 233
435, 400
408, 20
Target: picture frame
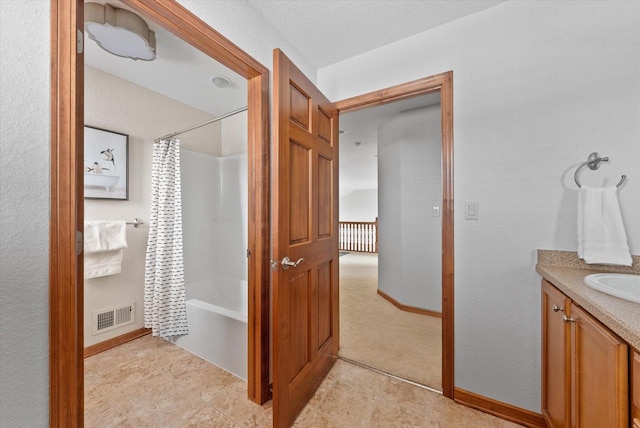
106, 164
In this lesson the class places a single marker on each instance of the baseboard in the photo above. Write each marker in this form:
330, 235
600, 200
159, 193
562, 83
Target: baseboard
116, 341
413, 309
499, 409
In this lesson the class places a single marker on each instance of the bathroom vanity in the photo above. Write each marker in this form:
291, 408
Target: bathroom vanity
590, 358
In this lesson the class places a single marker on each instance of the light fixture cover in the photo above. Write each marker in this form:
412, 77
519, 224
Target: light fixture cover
120, 32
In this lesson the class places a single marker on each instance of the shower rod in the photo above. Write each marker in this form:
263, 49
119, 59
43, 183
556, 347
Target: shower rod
200, 125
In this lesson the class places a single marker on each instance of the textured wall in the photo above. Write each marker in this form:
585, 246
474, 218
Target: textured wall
24, 213
118, 105
537, 87
409, 186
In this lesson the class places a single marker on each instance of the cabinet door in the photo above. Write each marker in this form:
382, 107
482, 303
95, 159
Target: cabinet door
600, 375
556, 380
635, 385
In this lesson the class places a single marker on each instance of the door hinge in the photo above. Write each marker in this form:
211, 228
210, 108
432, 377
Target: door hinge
248, 253
79, 242
80, 42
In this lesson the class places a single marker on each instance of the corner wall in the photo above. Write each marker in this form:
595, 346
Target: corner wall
537, 87
409, 186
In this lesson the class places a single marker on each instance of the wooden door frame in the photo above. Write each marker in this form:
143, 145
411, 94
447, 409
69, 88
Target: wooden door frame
66, 318
442, 82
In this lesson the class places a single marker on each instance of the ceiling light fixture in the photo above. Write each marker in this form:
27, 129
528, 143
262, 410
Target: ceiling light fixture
358, 143
342, 132
221, 81
120, 32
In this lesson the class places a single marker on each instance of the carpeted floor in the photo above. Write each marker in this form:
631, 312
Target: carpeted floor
375, 333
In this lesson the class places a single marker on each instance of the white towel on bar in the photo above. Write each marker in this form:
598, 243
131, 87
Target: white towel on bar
104, 244
601, 235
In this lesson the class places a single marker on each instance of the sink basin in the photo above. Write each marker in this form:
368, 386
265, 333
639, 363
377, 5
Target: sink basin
620, 285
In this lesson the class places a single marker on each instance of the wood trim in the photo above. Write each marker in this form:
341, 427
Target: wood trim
499, 409
399, 92
442, 82
180, 21
66, 383
413, 309
116, 341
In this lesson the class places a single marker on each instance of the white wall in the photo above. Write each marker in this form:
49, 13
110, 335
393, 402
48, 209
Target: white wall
537, 87
118, 105
24, 214
409, 186
359, 205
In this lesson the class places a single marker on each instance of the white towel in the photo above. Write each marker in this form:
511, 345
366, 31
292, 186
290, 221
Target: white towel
104, 243
601, 235
104, 236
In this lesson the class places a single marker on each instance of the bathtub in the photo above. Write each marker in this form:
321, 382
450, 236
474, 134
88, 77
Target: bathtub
217, 320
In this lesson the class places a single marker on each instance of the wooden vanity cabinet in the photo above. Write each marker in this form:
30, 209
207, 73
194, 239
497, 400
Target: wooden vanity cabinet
556, 354
584, 367
600, 380
635, 389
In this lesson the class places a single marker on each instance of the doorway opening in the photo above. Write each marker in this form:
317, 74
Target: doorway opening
67, 208
390, 292
439, 86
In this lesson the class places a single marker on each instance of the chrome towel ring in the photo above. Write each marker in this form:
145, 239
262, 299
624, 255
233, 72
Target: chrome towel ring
593, 162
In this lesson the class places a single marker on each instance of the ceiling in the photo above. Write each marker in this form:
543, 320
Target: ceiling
325, 32
179, 71
329, 31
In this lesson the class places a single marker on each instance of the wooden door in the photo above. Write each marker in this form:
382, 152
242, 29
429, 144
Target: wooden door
600, 374
556, 382
305, 225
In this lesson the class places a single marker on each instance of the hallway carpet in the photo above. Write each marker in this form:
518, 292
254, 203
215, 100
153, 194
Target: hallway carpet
375, 333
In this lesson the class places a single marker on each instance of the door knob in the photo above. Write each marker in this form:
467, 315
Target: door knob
286, 263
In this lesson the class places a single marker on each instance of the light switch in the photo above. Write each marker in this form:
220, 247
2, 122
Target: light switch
436, 211
471, 210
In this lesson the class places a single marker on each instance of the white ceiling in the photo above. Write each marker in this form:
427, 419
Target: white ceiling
179, 71
329, 31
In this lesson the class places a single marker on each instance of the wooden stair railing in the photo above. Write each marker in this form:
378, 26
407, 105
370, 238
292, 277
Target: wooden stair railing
358, 236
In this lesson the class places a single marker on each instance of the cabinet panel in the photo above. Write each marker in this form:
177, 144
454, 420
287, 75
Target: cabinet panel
600, 391
635, 385
556, 382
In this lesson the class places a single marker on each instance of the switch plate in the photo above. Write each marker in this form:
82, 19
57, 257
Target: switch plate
436, 211
471, 210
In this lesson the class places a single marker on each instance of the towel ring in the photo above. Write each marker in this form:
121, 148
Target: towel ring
593, 162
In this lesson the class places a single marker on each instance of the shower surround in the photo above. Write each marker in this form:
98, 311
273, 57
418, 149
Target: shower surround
215, 225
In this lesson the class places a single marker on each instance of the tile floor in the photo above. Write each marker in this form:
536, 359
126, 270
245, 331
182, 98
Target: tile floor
150, 382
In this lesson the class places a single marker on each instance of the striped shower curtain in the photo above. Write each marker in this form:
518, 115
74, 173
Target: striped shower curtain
165, 310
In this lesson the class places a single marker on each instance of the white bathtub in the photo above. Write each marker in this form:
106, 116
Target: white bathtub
217, 319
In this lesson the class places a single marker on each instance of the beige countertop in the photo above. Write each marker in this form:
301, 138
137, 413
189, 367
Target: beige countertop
621, 316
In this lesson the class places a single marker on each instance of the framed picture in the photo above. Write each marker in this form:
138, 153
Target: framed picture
106, 164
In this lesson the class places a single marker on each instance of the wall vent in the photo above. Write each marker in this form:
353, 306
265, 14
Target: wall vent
114, 317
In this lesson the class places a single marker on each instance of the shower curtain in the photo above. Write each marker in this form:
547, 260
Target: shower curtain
165, 309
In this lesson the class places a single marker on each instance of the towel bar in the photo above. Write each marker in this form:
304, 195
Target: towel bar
136, 222
593, 161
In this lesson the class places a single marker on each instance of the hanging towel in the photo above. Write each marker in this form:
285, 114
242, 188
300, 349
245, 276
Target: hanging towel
601, 235
104, 243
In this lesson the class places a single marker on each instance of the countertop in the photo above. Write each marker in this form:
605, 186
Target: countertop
621, 316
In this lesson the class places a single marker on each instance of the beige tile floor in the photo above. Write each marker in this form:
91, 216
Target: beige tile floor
150, 382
